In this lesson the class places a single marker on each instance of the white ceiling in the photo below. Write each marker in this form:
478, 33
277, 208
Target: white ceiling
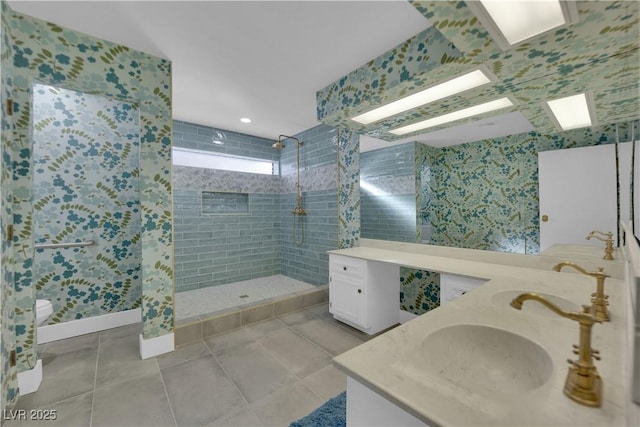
264, 60
490, 127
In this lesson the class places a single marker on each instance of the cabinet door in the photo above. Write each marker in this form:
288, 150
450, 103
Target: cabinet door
347, 301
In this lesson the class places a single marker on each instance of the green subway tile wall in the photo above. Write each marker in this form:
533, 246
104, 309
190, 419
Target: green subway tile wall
217, 249
212, 250
388, 193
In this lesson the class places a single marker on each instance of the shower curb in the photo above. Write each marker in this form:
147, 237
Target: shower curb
195, 329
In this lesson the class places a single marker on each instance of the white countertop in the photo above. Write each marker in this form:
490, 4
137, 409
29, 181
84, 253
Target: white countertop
590, 252
583, 255
391, 364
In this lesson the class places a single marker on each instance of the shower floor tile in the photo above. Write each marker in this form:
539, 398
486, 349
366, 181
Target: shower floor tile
244, 377
221, 297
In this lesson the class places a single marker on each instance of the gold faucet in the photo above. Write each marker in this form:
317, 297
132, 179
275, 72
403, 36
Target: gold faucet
608, 249
583, 384
599, 301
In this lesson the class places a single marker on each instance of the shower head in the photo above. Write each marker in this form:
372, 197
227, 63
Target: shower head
279, 145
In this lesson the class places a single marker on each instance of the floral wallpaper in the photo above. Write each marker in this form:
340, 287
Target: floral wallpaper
8, 377
388, 77
485, 194
599, 52
46, 53
85, 160
419, 290
348, 189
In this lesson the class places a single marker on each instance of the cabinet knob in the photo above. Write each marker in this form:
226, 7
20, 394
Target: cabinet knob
359, 291
545, 218
344, 268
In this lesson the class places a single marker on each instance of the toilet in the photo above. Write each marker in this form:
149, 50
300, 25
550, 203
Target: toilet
44, 309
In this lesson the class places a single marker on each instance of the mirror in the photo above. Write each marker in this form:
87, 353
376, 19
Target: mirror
487, 192
388, 194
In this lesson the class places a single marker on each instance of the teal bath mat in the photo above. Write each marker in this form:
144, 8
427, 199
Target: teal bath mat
332, 414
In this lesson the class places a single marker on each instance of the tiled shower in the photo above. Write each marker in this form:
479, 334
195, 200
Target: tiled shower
215, 248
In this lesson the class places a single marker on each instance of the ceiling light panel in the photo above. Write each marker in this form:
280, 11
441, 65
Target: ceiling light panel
451, 87
511, 22
454, 116
572, 112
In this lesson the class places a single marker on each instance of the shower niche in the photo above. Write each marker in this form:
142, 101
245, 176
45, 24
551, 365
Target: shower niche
221, 203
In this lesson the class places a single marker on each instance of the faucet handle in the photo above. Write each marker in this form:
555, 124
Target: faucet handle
608, 235
587, 315
600, 274
604, 300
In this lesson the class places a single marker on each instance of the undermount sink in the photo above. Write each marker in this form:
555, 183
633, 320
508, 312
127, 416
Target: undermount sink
481, 359
504, 298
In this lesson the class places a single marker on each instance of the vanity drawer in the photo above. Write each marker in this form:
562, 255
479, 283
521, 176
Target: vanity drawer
346, 268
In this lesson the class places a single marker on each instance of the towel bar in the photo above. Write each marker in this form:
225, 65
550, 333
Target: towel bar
65, 245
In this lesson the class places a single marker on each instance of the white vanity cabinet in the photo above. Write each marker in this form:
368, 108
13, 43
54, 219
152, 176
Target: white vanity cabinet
364, 294
365, 407
453, 285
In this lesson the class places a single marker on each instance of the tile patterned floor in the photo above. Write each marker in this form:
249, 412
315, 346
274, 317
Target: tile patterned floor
265, 374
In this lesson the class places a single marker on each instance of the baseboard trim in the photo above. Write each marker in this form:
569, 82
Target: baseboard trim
155, 346
73, 328
29, 381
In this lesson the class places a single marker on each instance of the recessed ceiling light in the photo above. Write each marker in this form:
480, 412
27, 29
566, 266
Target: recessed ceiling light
456, 115
572, 112
512, 22
245, 120
442, 90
